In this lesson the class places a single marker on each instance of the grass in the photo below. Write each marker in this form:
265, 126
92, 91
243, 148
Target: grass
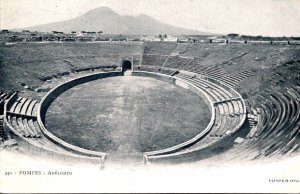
27, 63
126, 116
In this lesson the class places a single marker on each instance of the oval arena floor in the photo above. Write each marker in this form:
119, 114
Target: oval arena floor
127, 115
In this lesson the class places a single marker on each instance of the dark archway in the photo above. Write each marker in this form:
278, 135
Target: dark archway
126, 65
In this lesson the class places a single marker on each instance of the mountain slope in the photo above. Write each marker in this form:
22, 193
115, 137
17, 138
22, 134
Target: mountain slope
109, 22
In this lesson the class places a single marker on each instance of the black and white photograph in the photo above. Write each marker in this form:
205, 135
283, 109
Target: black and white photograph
149, 96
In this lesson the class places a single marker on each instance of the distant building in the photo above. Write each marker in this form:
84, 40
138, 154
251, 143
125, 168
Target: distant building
219, 40
134, 39
89, 33
70, 39
16, 39
232, 35
170, 38
57, 32
213, 37
35, 39
85, 38
182, 40
4, 31
119, 38
150, 38
52, 38
79, 35
102, 39
186, 40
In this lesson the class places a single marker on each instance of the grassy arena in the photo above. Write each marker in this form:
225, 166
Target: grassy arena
125, 116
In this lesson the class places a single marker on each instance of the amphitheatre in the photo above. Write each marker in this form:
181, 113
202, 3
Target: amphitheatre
151, 102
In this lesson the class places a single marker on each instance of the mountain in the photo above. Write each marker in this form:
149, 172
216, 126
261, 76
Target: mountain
106, 20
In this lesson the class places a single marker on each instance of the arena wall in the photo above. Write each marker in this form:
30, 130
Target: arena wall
192, 88
30, 147
52, 95
84, 154
211, 149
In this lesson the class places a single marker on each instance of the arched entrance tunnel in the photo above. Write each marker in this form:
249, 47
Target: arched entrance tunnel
126, 65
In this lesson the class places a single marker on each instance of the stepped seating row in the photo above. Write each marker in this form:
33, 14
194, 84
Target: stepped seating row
161, 48
229, 109
166, 48
210, 71
147, 68
154, 69
182, 48
253, 116
230, 60
2, 133
22, 116
21, 120
102, 49
229, 115
194, 65
26, 127
94, 61
176, 62
24, 106
253, 120
278, 113
154, 60
279, 127
160, 55
3, 97
277, 131
224, 124
217, 93
166, 71
215, 73
232, 81
151, 48
29, 129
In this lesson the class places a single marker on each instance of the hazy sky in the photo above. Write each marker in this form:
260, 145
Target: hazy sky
256, 17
